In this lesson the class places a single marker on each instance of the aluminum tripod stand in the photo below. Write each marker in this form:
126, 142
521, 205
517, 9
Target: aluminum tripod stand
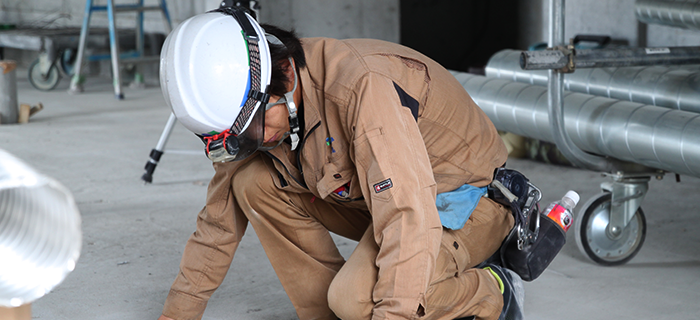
158, 150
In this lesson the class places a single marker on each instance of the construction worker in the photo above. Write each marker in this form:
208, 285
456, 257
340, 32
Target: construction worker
367, 139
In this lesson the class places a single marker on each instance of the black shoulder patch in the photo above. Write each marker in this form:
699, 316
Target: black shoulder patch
407, 101
386, 184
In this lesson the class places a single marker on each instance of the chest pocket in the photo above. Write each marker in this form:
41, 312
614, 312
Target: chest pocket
338, 178
349, 195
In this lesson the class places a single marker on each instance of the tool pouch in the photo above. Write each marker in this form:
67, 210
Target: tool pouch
530, 261
534, 240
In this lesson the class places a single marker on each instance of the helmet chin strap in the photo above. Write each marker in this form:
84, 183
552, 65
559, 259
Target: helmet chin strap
292, 108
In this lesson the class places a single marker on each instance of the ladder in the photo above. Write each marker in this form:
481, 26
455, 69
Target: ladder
136, 57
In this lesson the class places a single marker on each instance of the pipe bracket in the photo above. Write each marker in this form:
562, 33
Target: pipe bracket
569, 51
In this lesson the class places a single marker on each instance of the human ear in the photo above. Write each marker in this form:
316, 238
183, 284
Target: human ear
287, 66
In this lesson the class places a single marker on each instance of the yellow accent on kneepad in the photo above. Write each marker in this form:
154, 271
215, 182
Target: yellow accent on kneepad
498, 279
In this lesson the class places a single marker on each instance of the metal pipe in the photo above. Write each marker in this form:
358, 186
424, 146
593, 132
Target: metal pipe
76, 83
674, 13
555, 106
157, 152
652, 136
114, 50
9, 109
672, 86
617, 57
166, 15
556, 23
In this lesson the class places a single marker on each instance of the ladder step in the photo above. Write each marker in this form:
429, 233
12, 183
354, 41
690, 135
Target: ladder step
125, 57
141, 59
107, 56
126, 8
114, 55
137, 8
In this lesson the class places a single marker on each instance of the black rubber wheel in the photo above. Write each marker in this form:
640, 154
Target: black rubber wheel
594, 240
43, 82
66, 60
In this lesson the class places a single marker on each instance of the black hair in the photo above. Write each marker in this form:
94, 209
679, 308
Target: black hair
280, 54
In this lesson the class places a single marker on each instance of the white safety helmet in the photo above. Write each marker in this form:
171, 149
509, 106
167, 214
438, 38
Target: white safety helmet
214, 71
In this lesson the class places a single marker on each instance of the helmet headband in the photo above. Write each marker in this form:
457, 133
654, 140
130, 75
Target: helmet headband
255, 97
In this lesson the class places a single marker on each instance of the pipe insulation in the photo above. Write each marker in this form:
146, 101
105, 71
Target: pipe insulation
652, 136
674, 13
676, 87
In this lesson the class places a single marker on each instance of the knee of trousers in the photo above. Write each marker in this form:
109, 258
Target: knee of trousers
347, 302
253, 185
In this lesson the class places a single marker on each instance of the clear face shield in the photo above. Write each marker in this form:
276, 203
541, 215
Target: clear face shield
229, 147
288, 100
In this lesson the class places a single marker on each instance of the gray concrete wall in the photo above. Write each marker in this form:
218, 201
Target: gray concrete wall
339, 19
377, 19
365, 18
615, 18
63, 13
311, 18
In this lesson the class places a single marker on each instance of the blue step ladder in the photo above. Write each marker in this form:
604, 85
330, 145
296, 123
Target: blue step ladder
135, 57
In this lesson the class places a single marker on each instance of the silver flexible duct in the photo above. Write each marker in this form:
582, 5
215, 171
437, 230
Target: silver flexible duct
40, 235
681, 14
674, 87
652, 136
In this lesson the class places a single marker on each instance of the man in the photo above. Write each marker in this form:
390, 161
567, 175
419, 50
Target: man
357, 137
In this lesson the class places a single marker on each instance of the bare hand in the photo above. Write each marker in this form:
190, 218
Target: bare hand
164, 318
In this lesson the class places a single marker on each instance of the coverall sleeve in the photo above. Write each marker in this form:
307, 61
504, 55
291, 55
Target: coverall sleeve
209, 250
398, 184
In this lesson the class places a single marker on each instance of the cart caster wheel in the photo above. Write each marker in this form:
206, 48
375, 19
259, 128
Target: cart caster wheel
42, 82
66, 62
594, 240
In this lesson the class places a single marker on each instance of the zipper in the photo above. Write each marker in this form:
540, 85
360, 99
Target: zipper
301, 146
285, 169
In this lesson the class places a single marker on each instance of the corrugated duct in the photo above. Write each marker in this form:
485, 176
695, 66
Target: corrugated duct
676, 87
649, 135
40, 236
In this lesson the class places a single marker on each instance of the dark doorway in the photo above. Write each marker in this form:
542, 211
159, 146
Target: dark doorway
459, 34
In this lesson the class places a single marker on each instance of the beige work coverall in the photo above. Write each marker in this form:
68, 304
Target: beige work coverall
396, 128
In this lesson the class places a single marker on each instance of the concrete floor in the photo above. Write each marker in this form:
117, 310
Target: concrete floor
134, 233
